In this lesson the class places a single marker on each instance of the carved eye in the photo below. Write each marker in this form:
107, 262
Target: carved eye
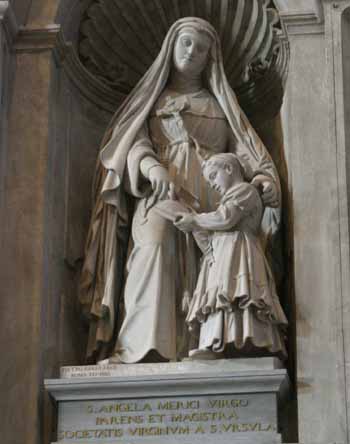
212, 176
187, 42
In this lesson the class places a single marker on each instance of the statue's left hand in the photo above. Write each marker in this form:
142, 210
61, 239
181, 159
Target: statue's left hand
185, 222
268, 189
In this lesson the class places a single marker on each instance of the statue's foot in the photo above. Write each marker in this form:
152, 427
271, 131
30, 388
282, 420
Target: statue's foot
115, 359
112, 360
103, 362
204, 354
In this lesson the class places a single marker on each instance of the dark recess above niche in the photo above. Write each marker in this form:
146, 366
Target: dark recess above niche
119, 40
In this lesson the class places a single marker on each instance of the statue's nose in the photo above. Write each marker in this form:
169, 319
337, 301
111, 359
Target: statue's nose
191, 49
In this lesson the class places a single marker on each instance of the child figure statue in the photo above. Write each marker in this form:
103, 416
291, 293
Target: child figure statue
235, 310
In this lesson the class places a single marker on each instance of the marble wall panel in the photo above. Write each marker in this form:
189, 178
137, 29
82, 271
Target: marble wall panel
22, 257
312, 162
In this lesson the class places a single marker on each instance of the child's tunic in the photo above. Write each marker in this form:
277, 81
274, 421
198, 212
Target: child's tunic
235, 301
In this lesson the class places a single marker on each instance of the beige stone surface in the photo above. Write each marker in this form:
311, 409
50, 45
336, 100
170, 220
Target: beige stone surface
35, 12
314, 184
22, 249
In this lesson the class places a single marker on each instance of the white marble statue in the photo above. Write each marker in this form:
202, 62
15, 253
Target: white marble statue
235, 308
138, 265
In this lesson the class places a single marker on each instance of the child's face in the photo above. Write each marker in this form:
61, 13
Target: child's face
220, 178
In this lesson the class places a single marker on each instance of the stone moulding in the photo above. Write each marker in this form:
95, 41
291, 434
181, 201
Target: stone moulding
36, 39
315, 7
25, 39
168, 385
301, 23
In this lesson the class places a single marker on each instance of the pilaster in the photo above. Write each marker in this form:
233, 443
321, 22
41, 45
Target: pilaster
318, 205
26, 329
338, 32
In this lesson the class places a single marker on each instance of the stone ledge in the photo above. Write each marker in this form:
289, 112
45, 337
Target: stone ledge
108, 388
37, 39
302, 22
195, 378
314, 6
186, 366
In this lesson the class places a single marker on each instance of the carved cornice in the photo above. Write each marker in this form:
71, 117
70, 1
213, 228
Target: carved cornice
8, 21
302, 22
259, 381
314, 7
306, 18
25, 39
37, 39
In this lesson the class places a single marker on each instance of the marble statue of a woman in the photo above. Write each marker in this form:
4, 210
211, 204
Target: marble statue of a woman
137, 264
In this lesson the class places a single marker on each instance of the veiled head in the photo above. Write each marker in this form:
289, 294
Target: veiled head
191, 51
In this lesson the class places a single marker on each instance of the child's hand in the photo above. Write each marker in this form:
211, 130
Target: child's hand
185, 222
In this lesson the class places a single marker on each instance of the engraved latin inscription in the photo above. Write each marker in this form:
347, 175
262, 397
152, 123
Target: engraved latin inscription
164, 417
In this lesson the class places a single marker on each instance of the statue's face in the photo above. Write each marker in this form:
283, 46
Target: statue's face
191, 52
220, 178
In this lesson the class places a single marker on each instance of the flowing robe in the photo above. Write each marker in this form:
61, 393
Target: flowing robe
182, 131
129, 139
235, 304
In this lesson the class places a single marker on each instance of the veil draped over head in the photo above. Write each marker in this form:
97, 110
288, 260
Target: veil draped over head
107, 243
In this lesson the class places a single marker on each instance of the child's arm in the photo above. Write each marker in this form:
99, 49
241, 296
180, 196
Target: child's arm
224, 218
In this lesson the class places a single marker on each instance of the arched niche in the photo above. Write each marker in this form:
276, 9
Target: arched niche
93, 51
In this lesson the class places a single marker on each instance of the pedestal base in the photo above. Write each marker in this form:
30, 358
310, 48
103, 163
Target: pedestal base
233, 401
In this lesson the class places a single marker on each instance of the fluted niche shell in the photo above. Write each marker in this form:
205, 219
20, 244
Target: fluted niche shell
119, 40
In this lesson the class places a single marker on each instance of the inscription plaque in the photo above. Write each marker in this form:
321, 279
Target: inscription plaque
159, 418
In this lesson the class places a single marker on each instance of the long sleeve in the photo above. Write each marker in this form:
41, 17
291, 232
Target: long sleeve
140, 159
224, 218
241, 207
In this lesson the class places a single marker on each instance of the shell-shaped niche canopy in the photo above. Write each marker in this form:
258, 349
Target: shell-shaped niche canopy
120, 39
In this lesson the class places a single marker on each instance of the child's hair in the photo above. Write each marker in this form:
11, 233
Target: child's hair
223, 160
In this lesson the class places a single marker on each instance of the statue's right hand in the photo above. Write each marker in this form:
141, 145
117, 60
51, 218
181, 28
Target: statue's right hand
160, 181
